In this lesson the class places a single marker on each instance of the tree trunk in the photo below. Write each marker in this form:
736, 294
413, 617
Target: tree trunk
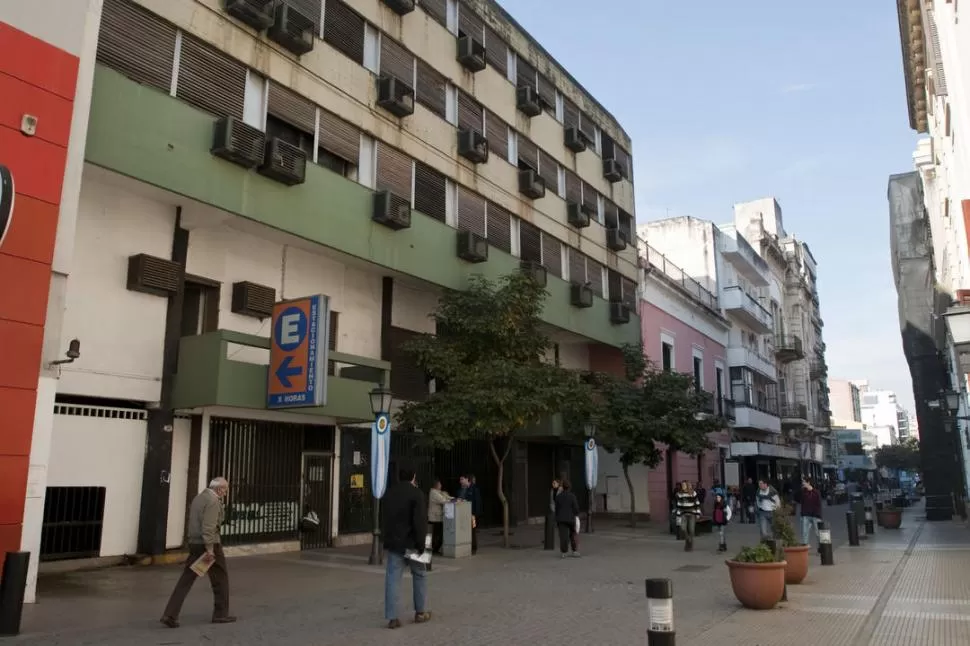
633, 498
500, 463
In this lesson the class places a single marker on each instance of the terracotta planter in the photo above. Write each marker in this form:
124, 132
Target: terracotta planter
890, 518
797, 559
758, 586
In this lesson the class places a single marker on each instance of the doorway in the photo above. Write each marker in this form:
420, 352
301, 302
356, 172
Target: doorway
316, 497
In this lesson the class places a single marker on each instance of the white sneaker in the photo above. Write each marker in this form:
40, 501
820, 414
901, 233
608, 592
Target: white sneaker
575, 555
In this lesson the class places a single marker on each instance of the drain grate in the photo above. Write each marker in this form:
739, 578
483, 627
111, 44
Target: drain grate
692, 568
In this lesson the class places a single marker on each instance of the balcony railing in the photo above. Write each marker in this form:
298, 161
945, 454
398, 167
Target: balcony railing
726, 409
676, 275
818, 369
788, 347
746, 396
735, 298
794, 412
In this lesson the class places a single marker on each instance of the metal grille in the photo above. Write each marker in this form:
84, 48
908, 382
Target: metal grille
496, 51
590, 200
547, 94
549, 171
312, 9
499, 227
292, 108
530, 242
430, 192
570, 114
154, 273
210, 80
396, 61
317, 480
525, 74
471, 212
73, 523
437, 10
356, 502
470, 113
101, 412
393, 171
339, 137
136, 43
552, 254
343, 28
430, 91
594, 274
577, 266
497, 134
528, 153
574, 187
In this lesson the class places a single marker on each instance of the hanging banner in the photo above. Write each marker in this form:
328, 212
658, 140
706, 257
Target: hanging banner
592, 463
380, 454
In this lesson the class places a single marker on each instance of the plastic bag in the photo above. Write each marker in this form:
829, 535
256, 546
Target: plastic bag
577, 525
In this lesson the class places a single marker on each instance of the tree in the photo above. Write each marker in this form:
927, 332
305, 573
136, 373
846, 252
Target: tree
488, 360
904, 456
644, 407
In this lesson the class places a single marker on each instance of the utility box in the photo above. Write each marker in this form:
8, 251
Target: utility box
457, 529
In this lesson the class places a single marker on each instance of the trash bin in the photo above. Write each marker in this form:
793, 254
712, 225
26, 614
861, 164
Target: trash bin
858, 507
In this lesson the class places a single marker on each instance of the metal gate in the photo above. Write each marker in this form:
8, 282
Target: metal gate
317, 479
73, 521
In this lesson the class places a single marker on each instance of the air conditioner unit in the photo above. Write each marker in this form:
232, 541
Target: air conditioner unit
238, 142
472, 247
527, 101
574, 139
577, 215
531, 185
613, 170
250, 299
400, 7
581, 295
292, 30
258, 14
535, 271
473, 146
284, 162
619, 313
395, 96
393, 211
615, 240
152, 275
471, 54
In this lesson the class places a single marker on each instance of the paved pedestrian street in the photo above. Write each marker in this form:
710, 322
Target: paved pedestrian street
909, 588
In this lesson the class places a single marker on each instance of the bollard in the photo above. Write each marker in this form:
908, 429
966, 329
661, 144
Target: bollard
779, 553
853, 528
660, 610
870, 528
12, 587
825, 543
549, 540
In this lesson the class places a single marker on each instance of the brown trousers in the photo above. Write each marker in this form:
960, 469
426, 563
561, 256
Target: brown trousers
218, 576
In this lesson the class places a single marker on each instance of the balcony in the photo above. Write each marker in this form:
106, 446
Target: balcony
745, 357
794, 414
754, 410
727, 409
742, 306
818, 369
226, 368
788, 348
737, 251
673, 274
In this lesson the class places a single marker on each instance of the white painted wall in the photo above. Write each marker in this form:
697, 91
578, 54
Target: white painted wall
178, 487
687, 242
413, 307
613, 485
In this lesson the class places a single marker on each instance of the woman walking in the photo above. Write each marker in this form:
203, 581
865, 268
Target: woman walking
688, 509
721, 516
567, 515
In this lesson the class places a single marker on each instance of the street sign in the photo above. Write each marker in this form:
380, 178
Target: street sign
7, 194
592, 463
380, 454
298, 354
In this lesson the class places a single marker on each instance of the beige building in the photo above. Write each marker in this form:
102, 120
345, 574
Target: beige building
846, 402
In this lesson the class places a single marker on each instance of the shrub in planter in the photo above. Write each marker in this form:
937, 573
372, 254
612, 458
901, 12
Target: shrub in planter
757, 577
796, 554
890, 517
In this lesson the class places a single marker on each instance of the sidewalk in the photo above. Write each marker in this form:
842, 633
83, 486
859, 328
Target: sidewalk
909, 587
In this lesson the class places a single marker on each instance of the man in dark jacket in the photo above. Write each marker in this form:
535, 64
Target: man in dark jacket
469, 491
748, 494
811, 502
567, 511
405, 530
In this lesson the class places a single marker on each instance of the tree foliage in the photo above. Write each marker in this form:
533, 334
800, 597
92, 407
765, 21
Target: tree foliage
489, 363
904, 456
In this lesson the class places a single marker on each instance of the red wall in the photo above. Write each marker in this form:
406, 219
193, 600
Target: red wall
36, 79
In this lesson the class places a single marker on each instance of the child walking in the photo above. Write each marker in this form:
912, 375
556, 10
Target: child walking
721, 516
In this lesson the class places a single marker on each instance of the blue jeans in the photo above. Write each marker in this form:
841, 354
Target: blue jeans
396, 563
809, 523
764, 523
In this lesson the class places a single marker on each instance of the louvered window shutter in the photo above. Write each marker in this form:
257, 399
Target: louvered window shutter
292, 108
932, 37
499, 228
625, 160
549, 171
574, 187
525, 74
471, 212
588, 128
497, 133
429, 192
629, 293
339, 137
590, 201
496, 51
137, 44
551, 254
469, 23
394, 171
528, 153
626, 225
570, 114
611, 215
210, 80
577, 266
615, 286
430, 91
437, 9
312, 9
594, 275
343, 28
396, 61
469, 113
547, 94
607, 146
530, 242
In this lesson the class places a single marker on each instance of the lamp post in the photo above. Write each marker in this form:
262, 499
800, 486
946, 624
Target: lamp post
380, 452
592, 467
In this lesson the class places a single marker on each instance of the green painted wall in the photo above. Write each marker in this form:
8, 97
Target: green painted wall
152, 137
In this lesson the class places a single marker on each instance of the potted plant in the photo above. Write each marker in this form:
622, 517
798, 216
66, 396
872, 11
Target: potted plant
890, 517
757, 577
796, 554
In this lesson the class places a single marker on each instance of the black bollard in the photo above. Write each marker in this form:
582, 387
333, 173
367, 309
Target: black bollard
549, 541
853, 528
660, 612
12, 588
825, 543
870, 528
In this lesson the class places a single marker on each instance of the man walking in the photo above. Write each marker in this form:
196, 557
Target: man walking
767, 502
749, 494
811, 503
205, 518
405, 530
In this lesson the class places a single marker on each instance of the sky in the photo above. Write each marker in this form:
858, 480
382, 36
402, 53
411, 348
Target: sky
732, 101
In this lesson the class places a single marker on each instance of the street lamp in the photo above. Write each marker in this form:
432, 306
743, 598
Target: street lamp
592, 467
380, 450
952, 401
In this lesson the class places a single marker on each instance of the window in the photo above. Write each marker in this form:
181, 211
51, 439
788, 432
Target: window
431, 89
548, 171
470, 24
393, 171
137, 44
343, 28
667, 356
210, 80
526, 75
570, 114
574, 187
200, 306
291, 118
430, 189
594, 274
312, 9
551, 254
339, 138
528, 154
499, 227
611, 215
496, 51
625, 222
698, 373
471, 212
719, 378
547, 94
615, 285
437, 10
629, 293
591, 201
530, 242
396, 61
577, 266
470, 113
497, 133
276, 128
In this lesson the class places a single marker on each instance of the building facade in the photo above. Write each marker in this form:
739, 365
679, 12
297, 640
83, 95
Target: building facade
846, 401
234, 159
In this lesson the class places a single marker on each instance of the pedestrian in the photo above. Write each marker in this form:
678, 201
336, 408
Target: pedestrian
749, 494
811, 510
469, 491
567, 517
436, 511
405, 529
767, 502
688, 509
721, 516
701, 493
206, 514
718, 490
